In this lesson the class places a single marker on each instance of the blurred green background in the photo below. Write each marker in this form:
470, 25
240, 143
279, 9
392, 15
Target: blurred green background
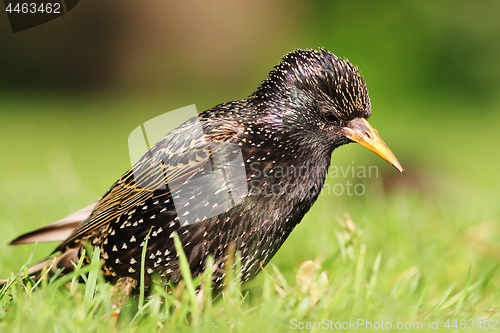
73, 89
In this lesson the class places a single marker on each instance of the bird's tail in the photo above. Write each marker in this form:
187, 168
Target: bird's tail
57, 231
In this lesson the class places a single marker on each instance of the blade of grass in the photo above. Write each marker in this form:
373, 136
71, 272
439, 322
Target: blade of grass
459, 295
209, 268
186, 274
66, 278
12, 280
143, 267
327, 264
373, 279
90, 288
443, 298
56, 275
74, 282
358, 277
464, 294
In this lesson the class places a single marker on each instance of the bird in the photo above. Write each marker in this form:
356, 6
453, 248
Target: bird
241, 174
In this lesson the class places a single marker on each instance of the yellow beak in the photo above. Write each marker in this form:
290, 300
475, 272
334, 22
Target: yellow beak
360, 131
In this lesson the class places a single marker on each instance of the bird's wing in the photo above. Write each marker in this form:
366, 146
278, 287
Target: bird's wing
169, 164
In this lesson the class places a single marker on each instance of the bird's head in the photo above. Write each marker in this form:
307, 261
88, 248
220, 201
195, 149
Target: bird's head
322, 98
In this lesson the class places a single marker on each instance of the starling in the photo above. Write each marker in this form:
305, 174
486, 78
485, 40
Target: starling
240, 174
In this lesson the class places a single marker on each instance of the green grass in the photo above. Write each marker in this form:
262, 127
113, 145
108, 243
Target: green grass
398, 265
415, 248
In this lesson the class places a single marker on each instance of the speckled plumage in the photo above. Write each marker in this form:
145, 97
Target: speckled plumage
282, 136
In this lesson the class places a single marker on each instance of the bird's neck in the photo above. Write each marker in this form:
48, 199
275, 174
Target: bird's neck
281, 163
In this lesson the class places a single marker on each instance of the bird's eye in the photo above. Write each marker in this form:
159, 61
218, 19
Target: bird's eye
330, 117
